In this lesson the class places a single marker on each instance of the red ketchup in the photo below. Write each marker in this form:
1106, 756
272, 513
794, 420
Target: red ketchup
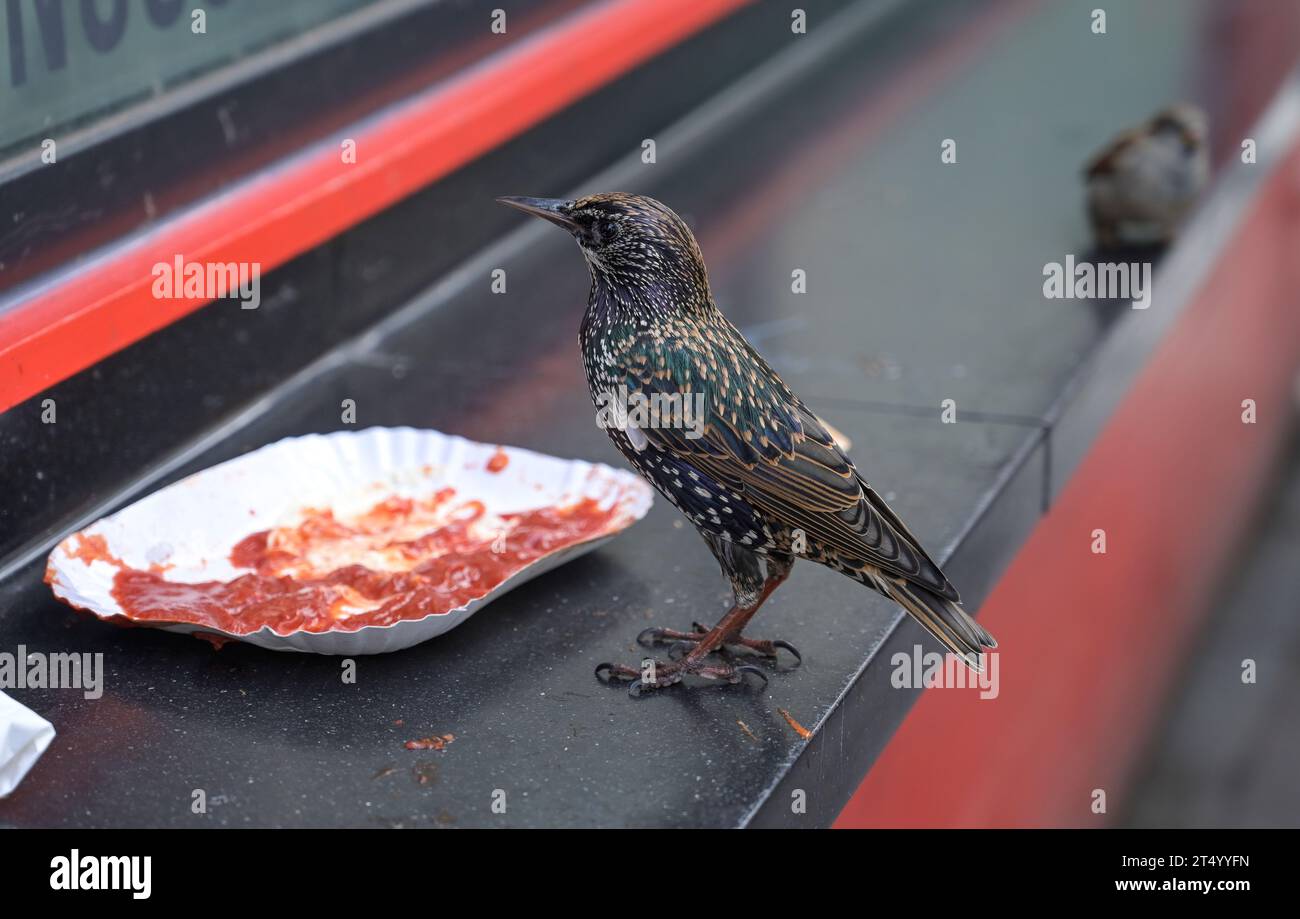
325, 574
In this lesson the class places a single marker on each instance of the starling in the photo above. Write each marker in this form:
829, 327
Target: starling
1143, 183
759, 475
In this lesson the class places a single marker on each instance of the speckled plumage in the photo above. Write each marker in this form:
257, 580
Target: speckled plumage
766, 481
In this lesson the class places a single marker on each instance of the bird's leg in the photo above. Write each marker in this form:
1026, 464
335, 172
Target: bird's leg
727, 633
655, 674
728, 630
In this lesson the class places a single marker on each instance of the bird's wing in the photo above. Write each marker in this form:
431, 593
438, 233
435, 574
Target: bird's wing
1103, 161
760, 440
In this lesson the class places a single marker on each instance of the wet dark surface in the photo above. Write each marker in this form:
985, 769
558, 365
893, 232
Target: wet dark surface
924, 284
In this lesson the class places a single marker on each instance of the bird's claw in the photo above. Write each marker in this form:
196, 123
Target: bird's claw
664, 675
779, 643
738, 673
679, 641
654, 637
689, 654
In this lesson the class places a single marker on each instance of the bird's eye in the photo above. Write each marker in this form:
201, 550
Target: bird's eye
600, 232
594, 232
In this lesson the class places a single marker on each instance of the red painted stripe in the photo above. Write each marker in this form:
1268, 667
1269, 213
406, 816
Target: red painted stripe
269, 220
1088, 642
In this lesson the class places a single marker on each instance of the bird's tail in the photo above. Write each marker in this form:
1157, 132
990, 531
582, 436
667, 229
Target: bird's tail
942, 618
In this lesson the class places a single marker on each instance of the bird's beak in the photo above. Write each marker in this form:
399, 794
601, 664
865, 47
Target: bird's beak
556, 210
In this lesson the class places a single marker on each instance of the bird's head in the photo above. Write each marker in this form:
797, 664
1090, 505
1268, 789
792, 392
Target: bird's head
631, 242
1184, 121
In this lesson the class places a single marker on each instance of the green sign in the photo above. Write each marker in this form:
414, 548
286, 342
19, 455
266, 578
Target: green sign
68, 62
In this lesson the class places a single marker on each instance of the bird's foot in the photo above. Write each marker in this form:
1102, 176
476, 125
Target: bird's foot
655, 674
654, 636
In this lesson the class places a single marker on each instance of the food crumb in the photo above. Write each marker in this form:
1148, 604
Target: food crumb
434, 742
498, 461
798, 728
744, 727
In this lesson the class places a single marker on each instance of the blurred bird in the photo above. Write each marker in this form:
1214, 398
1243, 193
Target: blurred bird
765, 480
1143, 183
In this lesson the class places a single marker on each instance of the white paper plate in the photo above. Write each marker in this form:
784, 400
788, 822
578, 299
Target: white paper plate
193, 524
